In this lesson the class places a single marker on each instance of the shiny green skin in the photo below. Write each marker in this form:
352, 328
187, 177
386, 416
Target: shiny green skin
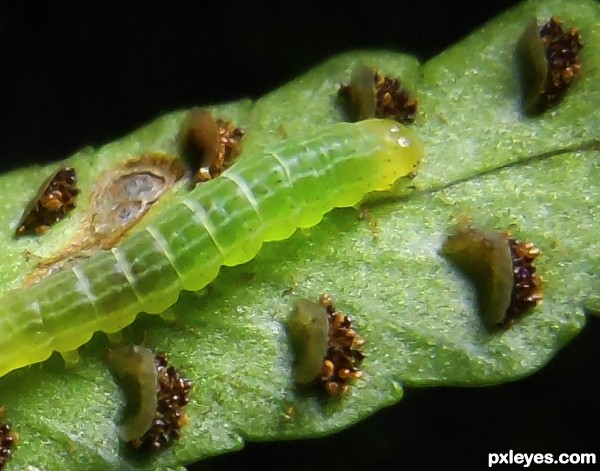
265, 196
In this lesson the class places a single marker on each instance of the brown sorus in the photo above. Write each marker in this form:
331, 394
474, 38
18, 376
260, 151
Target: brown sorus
374, 95
527, 286
8, 439
549, 63
501, 269
212, 144
344, 355
55, 199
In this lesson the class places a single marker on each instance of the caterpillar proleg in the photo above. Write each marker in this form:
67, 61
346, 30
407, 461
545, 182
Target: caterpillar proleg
263, 197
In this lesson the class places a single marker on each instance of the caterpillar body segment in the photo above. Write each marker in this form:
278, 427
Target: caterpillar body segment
264, 196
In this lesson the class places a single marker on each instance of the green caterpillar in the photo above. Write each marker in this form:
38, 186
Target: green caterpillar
263, 197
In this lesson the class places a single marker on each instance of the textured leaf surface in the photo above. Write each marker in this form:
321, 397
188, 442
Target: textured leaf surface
417, 314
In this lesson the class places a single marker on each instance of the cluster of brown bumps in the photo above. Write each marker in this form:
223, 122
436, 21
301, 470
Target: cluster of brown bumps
172, 395
561, 49
343, 353
7, 441
379, 96
228, 149
55, 199
212, 144
527, 286
393, 101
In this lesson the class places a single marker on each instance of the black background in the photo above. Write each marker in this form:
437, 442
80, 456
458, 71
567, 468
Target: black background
88, 73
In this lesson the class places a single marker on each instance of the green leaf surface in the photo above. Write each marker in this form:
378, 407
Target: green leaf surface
535, 176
